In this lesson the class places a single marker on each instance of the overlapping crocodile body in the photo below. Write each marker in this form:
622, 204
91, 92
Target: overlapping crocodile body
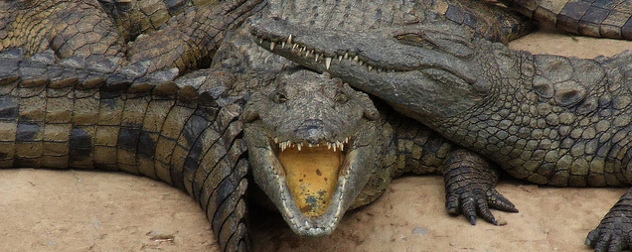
545, 119
177, 90
606, 19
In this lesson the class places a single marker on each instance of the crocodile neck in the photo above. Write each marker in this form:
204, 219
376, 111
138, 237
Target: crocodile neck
558, 121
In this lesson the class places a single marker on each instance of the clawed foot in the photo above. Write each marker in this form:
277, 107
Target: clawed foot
469, 185
477, 200
614, 233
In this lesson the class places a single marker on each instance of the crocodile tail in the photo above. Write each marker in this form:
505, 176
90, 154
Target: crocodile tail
605, 19
88, 115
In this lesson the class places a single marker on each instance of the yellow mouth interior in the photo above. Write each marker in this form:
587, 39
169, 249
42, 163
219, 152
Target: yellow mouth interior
312, 176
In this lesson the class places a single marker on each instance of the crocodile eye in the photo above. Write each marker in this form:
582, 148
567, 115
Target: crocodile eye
342, 98
279, 97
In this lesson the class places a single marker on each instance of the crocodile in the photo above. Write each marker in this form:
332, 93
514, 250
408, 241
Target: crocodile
549, 120
119, 78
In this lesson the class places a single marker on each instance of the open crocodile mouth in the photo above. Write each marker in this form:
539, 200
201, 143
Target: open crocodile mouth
314, 184
311, 172
312, 155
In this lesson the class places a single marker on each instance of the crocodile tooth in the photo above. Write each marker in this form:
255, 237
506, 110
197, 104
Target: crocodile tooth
310, 145
276, 140
339, 57
260, 41
327, 62
346, 140
289, 39
328, 145
299, 145
355, 58
370, 68
294, 46
341, 146
346, 56
335, 145
272, 45
317, 56
307, 53
283, 44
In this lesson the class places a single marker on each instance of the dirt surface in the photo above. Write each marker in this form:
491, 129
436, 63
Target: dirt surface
44, 210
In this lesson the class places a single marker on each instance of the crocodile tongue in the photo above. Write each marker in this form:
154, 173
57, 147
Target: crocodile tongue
312, 176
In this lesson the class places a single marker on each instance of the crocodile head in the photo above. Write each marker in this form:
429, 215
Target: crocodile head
313, 144
432, 71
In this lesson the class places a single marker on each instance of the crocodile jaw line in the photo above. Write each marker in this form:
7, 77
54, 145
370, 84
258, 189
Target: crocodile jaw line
351, 52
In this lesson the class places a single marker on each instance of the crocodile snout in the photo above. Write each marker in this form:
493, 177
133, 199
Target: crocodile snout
312, 130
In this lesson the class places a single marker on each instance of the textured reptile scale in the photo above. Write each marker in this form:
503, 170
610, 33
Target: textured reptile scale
190, 146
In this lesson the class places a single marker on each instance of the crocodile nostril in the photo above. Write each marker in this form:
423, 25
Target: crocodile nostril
312, 123
311, 130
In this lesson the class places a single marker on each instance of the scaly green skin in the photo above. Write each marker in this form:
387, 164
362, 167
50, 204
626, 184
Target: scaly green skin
546, 119
86, 119
123, 30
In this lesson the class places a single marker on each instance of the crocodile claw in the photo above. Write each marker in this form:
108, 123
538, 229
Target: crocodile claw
477, 200
469, 185
614, 233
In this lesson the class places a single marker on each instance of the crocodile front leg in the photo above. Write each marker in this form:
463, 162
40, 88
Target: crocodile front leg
469, 185
614, 232
470, 179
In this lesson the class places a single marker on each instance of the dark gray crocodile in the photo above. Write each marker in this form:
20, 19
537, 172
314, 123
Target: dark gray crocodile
137, 89
549, 120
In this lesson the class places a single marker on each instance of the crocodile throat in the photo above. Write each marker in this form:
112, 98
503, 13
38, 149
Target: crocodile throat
312, 176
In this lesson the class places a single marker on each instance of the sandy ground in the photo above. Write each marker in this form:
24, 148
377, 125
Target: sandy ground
44, 210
